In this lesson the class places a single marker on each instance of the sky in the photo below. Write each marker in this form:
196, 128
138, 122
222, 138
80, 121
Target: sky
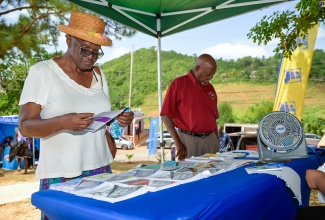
224, 39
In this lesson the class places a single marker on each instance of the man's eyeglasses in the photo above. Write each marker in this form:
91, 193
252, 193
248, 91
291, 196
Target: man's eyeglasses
85, 53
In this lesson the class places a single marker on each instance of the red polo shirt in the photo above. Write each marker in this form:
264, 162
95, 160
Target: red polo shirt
192, 107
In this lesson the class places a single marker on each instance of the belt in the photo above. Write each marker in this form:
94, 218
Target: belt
202, 135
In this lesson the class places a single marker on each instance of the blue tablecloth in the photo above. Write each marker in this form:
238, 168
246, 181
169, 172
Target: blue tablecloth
231, 195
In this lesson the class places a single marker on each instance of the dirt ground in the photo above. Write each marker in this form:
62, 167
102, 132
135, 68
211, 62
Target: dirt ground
22, 209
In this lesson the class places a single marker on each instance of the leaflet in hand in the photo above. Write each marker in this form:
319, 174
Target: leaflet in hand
103, 118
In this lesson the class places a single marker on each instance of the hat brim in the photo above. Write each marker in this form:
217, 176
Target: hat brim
84, 36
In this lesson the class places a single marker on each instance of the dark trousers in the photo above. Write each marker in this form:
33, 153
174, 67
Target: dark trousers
30, 162
311, 213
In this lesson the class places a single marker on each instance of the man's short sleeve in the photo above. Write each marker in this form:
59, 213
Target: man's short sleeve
169, 105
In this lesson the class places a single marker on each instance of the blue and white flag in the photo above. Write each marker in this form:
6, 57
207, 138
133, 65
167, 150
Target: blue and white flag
153, 133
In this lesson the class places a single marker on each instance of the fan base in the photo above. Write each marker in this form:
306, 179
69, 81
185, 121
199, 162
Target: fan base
299, 152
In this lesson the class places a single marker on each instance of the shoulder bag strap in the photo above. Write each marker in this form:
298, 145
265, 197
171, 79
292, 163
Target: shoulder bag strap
97, 70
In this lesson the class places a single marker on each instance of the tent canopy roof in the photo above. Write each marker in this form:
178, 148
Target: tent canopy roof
175, 15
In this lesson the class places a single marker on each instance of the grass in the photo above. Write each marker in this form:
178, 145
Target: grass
242, 95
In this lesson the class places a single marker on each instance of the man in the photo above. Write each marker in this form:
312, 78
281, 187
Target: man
225, 140
316, 181
191, 105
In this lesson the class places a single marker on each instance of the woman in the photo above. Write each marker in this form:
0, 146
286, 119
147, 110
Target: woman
24, 153
66, 92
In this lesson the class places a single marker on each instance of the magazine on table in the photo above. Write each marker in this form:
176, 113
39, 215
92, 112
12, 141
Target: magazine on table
103, 118
76, 185
182, 164
66, 186
181, 177
141, 172
119, 177
152, 184
114, 192
225, 164
207, 171
169, 165
153, 166
100, 177
109, 177
198, 159
264, 168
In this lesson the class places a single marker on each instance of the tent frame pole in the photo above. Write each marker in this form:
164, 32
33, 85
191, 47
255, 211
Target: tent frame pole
159, 88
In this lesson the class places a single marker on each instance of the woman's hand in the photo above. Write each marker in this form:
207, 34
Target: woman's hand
31, 125
111, 144
125, 118
77, 121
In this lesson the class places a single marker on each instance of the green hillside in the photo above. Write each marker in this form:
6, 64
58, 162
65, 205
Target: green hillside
241, 83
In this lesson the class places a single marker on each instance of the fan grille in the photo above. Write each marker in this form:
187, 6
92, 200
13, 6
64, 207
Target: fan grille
280, 131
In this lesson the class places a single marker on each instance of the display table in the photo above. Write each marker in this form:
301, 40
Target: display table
231, 195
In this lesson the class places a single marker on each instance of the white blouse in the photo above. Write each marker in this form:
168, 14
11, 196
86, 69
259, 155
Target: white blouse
67, 153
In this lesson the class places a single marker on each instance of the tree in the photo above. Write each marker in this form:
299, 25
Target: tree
37, 22
313, 120
14, 69
226, 114
288, 25
256, 112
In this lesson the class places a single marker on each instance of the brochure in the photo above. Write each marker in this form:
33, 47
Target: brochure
206, 171
115, 192
182, 164
76, 185
141, 172
181, 177
153, 166
66, 186
100, 177
198, 159
119, 177
108, 177
263, 168
152, 184
169, 165
103, 118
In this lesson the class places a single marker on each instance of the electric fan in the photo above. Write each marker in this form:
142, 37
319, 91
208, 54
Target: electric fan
280, 136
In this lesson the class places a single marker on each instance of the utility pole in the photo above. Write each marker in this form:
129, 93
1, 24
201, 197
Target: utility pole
131, 70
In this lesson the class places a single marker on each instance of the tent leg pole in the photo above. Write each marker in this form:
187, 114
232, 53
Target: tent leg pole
160, 99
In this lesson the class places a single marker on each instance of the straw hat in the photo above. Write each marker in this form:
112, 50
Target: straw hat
86, 27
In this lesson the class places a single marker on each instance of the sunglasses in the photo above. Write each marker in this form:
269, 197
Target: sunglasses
85, 53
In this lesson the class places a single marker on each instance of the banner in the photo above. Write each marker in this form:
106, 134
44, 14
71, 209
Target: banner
153, 133
293, 76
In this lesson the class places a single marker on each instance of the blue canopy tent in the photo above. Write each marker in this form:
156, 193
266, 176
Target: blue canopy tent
8, 127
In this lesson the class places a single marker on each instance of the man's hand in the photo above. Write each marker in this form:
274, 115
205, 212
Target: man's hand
231, 145
181, 151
